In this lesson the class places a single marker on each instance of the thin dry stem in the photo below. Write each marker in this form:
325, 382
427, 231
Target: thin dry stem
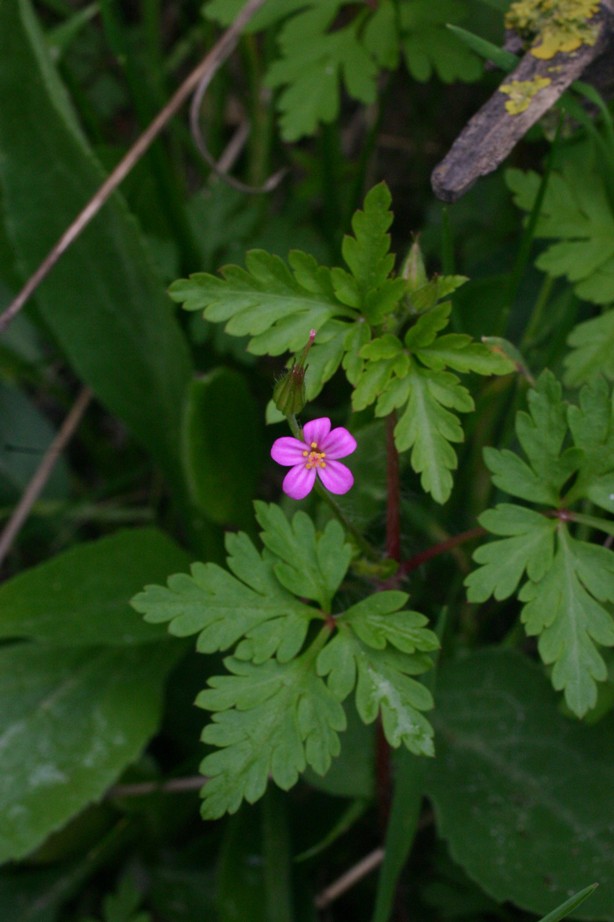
367, 864
142, 788
43, 472
207, 67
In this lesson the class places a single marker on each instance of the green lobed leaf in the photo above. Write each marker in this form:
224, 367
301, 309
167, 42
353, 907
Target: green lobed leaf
576, 212
81, 597
564, 609
411, 376
592, 429
312, 64
592, 350
309, 565
518, 789
113, 324
541, 433
73, 719
222, 608
383, 685
529, 550
270, 720
275, 303
428, 427
567, 580
428, 45
367, 253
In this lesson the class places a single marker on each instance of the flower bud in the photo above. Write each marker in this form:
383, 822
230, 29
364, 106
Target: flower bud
289, 392
413, 268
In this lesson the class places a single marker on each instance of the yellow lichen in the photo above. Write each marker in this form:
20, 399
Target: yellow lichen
521, 92
554, 25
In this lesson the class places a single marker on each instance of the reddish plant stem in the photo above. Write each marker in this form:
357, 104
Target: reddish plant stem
393, 551
393, 512
407, 566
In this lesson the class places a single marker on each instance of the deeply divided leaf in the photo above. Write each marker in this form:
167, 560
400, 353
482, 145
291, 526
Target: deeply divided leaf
565, 582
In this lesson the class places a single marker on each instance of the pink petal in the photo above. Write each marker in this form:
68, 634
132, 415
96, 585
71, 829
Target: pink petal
336, 477
299, 481
338, 443
316, 430
288, 451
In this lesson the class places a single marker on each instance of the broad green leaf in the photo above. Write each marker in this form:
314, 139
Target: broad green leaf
72, 719
592, 350
271, 720
25, 435
81, 597
564, 609
576, 212
518, 789
222, 447
103, 302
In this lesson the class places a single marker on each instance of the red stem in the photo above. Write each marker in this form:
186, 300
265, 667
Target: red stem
418, 559
393, 551
393, 513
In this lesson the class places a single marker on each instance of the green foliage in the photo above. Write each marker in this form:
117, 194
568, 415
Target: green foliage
277, 304
592, 345
318, 56
429, 46
114, 327
514, 782
577, 212
279, 710
123, 905
412, 375
302, 648
568, 580
221, 450
82, 691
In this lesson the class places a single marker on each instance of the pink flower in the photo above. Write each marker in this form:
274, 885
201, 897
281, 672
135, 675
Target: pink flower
316, 454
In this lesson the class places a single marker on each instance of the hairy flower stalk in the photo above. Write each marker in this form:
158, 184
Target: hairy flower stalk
315, 455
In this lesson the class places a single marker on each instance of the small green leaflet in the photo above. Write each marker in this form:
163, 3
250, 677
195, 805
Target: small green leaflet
428, 45
576, 212
411, 376
279, 708
564, 582
592, 350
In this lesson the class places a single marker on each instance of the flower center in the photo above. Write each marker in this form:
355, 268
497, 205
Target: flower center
314, 458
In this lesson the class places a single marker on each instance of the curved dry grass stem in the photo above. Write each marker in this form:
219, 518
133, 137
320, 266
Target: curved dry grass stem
207, 67
43, 472
351, 877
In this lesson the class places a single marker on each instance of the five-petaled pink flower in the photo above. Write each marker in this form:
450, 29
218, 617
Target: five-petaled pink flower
317, 454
